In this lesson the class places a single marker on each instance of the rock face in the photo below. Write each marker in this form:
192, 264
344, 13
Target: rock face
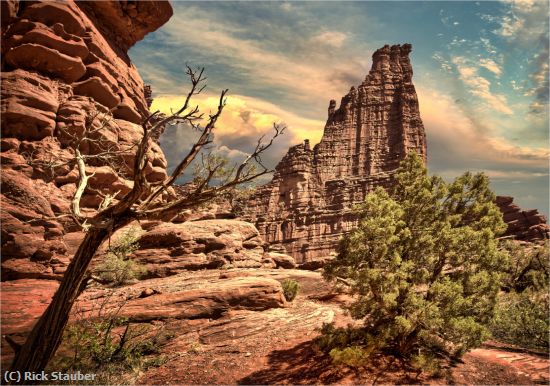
307, 206
525, 225
64, 67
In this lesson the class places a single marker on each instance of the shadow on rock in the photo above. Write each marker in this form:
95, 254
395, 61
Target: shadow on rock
301, 364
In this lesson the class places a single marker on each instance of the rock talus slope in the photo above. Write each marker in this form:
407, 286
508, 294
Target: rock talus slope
64, 66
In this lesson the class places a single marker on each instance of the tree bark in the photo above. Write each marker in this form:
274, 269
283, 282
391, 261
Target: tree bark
46, 335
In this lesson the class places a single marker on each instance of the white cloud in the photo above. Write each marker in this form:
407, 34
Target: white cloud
312, 72
480, 86
453, 136
287, 6
246, 117
330, 38
491, 65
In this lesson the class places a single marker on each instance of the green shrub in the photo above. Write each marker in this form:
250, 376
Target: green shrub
522, 311
117, 268
528, 268
423, 265
116, 271
332, 337
290, 289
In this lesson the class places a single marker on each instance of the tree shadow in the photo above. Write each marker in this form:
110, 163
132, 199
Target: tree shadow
306, 364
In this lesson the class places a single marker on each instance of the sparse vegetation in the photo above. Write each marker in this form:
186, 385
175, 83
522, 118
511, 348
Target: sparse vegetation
108, 345
424, 266
117, 267
290, 289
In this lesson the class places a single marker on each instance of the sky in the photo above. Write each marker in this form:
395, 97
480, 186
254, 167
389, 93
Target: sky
480, 70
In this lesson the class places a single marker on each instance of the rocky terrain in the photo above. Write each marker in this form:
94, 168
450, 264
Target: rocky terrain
525, 225
229, 327
307, 206
212, 283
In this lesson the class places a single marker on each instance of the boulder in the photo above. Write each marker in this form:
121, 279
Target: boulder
55, 38
523, 225
208, 302
169, 248
29, 105
281, 260
95, 88
316, 263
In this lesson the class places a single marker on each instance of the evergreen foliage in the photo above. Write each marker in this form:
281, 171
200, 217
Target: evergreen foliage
424, 265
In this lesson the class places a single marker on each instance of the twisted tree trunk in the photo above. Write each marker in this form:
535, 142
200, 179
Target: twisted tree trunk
45, 337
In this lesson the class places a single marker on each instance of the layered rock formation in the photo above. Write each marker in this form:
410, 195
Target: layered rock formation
307, 206
64, 68
167, 248
524, 225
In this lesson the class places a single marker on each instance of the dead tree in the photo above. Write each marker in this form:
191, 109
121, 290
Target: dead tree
143, 202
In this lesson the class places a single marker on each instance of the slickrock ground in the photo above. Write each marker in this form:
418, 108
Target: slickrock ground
233, 326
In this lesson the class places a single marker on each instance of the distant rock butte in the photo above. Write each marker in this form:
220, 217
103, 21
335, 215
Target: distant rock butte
307, 206
62, 62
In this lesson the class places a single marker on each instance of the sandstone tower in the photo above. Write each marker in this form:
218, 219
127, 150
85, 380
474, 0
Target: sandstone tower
308, 204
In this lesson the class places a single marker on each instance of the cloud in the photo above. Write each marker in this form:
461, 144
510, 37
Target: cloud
457, 142
480, 86
491, 65
525, 26
245, 117
330, 38
287, 6
297, 70
452, 137
243, 121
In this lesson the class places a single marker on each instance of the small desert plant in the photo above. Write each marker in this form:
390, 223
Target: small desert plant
426, 362
117, 268
290, 289
108, 345
353, 356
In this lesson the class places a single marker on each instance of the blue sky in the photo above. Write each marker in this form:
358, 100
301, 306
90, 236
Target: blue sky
480, 69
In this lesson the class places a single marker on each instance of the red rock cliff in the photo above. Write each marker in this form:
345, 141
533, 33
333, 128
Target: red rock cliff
63, 62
